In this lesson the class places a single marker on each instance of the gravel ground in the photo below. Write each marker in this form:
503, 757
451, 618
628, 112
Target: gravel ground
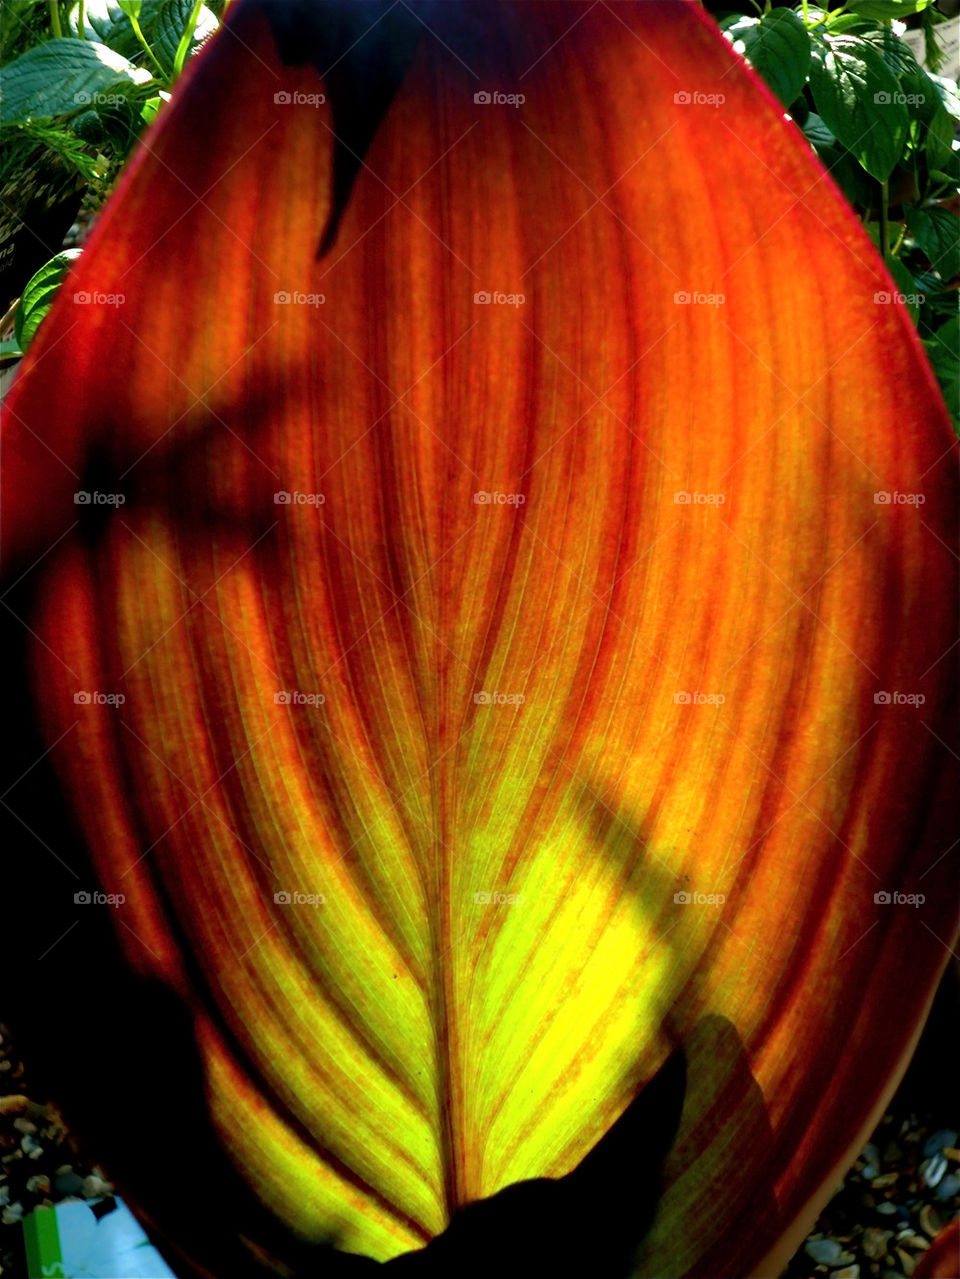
40, 1163
900, 1192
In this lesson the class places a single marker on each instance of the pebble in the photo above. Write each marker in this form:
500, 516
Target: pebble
24, 1125
68, 1183
886, 1179
825, 1252
948, 1187
874, 1242
848, 1272
887, 1209
95, 1187
39, 1185
12, 1215
936, 1141
910, 1240
31, 1148
932, 1170
951, 1153
907, 1263
872, 1167
929, 1221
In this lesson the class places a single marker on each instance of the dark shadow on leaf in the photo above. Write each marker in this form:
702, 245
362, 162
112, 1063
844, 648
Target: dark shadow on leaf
586, 1223
361, 54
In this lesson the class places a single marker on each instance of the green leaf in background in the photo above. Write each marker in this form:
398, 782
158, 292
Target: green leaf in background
38, 294
840, 23
859, 189
151, 107
922, 96
949, 94
936, 232
740, 29
906, 285
131, 7
817, 132
857, 96
939, 138
948, 175
942, 352
938, 300
933, 51
161, 21
172, 20
105, 20
16, 15
777, 46
884, 9
61, 76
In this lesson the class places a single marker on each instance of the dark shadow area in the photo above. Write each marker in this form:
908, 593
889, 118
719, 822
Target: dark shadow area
361, 53
939, 1044
722, 1091
586, 1223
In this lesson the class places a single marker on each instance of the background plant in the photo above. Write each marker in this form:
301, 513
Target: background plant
81, 81
884, 127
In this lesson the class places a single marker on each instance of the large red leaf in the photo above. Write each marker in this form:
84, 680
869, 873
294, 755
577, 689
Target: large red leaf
694, 689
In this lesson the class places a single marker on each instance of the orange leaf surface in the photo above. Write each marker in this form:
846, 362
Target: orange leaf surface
584, 700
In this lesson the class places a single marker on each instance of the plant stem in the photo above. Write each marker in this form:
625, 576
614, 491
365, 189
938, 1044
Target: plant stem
81, 18
903, 232
55, 19
186, 38
135, 23
884, 220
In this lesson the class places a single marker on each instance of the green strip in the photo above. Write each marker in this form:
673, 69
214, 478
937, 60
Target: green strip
44, 1258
